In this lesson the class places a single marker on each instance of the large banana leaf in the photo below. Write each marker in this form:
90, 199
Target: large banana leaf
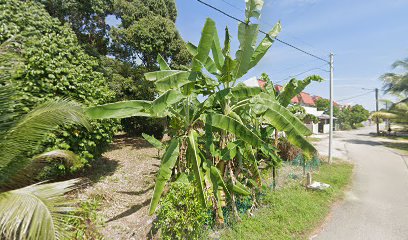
162, 63
205, 44
283, 120
253, 8
294, 87
238, 93
264, 102
121, 109
209, 64
242, 92
154, 76
264, 46
36, 211
247, 35
169, 159
168, 79
194, 158
174, 81
153, 141
160, 104
233, 126
217, 51
239, 188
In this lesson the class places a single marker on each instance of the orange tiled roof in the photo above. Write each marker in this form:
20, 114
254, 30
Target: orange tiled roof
307, 99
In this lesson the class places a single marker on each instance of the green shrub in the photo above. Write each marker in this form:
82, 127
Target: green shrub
287, 151
181, 215
345, 126
56, 67
86, 222
358, 125
138, 125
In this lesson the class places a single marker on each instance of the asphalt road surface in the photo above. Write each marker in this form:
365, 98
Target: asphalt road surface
376, 206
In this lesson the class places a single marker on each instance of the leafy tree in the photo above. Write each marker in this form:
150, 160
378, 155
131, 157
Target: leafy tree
358, 114
87, 20
34, 211
323, 104
214, 142
56, 67
147, 28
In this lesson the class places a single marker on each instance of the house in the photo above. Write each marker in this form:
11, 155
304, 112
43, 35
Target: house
307, 101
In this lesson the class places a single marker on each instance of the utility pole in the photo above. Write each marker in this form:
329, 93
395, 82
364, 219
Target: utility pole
331, 110
376, 109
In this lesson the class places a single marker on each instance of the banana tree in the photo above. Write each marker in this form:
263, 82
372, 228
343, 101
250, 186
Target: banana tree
210, 139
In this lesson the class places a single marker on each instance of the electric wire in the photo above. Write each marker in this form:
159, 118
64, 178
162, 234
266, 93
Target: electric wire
261, 31
356, 96
309, 70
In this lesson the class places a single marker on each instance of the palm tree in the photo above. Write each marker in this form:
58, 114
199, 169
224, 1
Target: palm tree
398, 113
35, 211
397, 83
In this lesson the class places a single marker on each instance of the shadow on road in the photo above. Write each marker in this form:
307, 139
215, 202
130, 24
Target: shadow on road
365, 142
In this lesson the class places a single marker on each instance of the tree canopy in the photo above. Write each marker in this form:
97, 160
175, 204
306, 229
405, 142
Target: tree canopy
55, 66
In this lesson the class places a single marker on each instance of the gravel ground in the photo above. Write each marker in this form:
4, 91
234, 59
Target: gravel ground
125, 181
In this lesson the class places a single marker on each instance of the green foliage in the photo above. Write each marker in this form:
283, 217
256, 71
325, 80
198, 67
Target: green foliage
397, 83
56, 67
293, 212
310, 118
288, 151
86, 221
147, 28
350, 116
86, 18
347, 116
181, 214
222, 158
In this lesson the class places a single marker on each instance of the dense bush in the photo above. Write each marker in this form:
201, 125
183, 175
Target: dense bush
287, 151
181, 215
129, 83
56, 67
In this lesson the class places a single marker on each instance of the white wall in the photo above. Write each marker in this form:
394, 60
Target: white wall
313, 111
313, 127
326, 128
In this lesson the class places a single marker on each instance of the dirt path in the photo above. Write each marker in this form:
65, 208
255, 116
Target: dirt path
125, 180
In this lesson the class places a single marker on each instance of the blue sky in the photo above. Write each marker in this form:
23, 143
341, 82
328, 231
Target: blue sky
366, 36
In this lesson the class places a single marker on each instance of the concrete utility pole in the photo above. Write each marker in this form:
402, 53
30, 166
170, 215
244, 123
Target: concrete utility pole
331, 110
376, 109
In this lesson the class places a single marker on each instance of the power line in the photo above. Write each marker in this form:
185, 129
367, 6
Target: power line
232, 5
316, 68
356, 96
261, 31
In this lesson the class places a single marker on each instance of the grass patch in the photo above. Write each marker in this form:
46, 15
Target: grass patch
86, 222
401, 147
293, 212
313, 139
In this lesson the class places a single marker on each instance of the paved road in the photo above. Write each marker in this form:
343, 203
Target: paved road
376, 207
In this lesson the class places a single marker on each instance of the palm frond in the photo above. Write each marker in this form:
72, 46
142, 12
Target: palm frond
28, 132
36, 211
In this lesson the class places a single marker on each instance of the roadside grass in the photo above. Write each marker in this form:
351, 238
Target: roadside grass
313, 139
399, 143
401, 147
294, 212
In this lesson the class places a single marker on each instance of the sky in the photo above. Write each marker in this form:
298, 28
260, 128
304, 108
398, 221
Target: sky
365, 36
